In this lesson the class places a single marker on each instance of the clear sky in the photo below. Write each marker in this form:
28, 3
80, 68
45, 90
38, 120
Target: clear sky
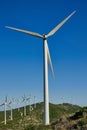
21, 56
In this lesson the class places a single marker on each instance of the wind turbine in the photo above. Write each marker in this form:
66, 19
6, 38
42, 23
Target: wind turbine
34, 101
30, 107
25, 101
47, 59
11, 107
18, 104
5, 104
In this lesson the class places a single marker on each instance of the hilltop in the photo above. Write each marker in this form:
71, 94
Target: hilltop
62, 117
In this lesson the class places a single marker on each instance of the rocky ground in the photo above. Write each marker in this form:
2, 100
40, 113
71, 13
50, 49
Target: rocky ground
67, 124
77, 121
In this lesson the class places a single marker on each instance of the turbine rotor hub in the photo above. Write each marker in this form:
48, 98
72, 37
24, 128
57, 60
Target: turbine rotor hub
44, 37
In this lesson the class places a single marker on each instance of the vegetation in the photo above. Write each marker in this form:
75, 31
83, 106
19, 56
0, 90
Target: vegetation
34, 118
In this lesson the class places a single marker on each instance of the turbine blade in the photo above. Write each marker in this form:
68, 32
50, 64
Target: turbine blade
26, 32
9, 103
50, 62
2, 104
59, 25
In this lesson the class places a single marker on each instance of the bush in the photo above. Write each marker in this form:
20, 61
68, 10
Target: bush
81, 122
40, 127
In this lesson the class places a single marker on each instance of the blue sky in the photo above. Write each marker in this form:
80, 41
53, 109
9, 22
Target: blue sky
21, 56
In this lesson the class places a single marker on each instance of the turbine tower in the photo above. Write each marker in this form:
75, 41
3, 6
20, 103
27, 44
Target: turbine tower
47, 59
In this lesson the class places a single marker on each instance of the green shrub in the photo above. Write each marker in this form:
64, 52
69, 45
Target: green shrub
82, 122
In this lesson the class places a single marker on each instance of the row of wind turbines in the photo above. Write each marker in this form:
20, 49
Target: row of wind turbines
8, 105
46, 60
31, 101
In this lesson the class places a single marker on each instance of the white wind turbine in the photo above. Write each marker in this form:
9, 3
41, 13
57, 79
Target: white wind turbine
29, 99
18, 102
34, 101
47, 59
25, 101
5, 108
11, 107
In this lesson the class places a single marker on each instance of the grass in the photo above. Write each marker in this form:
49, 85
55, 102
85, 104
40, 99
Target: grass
34, 119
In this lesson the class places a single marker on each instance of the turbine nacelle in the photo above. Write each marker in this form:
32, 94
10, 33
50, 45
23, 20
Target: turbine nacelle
44, 36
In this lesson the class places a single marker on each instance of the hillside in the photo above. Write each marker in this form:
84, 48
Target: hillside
77, 121
34, 119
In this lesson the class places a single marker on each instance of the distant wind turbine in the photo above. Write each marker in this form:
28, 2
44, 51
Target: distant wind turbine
29, 99
34, 101
47, 59
5, 106
18, 102
11, 107
25, 101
